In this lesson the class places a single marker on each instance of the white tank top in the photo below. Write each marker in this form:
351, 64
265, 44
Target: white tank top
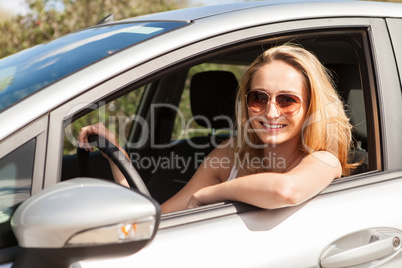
233, 174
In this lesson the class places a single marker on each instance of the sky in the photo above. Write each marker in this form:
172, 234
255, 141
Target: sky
14, 6
19, 6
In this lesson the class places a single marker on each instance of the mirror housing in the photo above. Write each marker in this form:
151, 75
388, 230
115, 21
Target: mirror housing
83, 219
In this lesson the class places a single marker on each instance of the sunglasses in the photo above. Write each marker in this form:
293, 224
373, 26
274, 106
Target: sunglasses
287, 104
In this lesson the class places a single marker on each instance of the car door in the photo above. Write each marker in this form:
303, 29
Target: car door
354, 221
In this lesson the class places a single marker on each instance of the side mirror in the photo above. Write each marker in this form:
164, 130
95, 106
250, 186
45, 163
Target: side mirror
83, 219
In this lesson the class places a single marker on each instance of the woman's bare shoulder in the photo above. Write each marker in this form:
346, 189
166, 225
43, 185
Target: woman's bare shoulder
224, 149
220, 160
323, 161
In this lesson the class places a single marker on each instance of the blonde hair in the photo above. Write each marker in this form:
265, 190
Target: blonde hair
326, 126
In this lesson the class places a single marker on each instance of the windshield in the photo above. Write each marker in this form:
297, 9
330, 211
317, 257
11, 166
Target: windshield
29, 71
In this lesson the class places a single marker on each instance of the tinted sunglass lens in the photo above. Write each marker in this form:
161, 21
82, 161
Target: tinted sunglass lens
256, 101
288, 104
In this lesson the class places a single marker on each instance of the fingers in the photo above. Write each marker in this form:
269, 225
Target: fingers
96, 129
83, 135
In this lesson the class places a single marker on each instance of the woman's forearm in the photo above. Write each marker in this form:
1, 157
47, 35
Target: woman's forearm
262, 190
274, 190
117, 175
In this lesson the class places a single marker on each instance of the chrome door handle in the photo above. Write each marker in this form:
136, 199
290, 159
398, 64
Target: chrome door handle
361, 247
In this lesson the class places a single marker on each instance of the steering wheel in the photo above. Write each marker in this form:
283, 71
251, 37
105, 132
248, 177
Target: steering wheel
125, 166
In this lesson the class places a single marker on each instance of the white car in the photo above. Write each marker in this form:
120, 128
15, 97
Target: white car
146, 78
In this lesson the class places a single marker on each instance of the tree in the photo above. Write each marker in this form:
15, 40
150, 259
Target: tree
50, 19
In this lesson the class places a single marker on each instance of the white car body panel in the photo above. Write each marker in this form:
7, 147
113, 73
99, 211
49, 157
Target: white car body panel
288, 237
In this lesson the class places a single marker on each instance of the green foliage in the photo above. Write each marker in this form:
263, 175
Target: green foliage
5, 81
50, 19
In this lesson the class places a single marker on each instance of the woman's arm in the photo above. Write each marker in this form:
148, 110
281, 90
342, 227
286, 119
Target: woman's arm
213, 170
100, 130
275, 190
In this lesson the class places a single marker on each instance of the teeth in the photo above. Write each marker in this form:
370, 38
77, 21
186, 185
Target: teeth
273, 126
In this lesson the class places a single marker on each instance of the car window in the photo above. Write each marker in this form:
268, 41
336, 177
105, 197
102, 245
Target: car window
166, 169
16, 172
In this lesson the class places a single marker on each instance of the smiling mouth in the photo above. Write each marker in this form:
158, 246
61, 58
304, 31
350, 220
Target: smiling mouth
275, 126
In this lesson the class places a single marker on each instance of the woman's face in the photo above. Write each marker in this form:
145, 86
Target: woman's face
270, 125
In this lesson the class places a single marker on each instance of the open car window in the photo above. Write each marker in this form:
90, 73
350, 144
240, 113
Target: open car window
168, 140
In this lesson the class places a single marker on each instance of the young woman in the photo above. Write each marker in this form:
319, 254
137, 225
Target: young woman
293, 138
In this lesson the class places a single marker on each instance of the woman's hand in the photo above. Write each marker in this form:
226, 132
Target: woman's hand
96, 129
207, 195
193, 203
100, 130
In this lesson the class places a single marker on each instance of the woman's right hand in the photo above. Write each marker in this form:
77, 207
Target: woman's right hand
96, 129
100, 130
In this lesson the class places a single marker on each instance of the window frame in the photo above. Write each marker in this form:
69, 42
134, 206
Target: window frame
36, 130
388, 94
393, 53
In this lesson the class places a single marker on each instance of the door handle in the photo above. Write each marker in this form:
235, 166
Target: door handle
361, 247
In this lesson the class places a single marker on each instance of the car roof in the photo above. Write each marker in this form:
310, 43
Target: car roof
204, 22
308, 8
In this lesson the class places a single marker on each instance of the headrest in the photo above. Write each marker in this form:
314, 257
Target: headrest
350, 89
212, 94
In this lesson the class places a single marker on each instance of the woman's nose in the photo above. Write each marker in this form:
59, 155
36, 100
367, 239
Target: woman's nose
272, 110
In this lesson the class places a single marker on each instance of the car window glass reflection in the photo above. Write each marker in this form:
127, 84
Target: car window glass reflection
16, 171
44, 64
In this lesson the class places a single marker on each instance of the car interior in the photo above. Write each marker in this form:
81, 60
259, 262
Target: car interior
185, 129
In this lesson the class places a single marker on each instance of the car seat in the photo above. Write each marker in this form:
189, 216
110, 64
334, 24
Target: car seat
347, 78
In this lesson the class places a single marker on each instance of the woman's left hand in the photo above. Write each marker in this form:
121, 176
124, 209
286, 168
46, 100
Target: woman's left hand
193, 203
207, 195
